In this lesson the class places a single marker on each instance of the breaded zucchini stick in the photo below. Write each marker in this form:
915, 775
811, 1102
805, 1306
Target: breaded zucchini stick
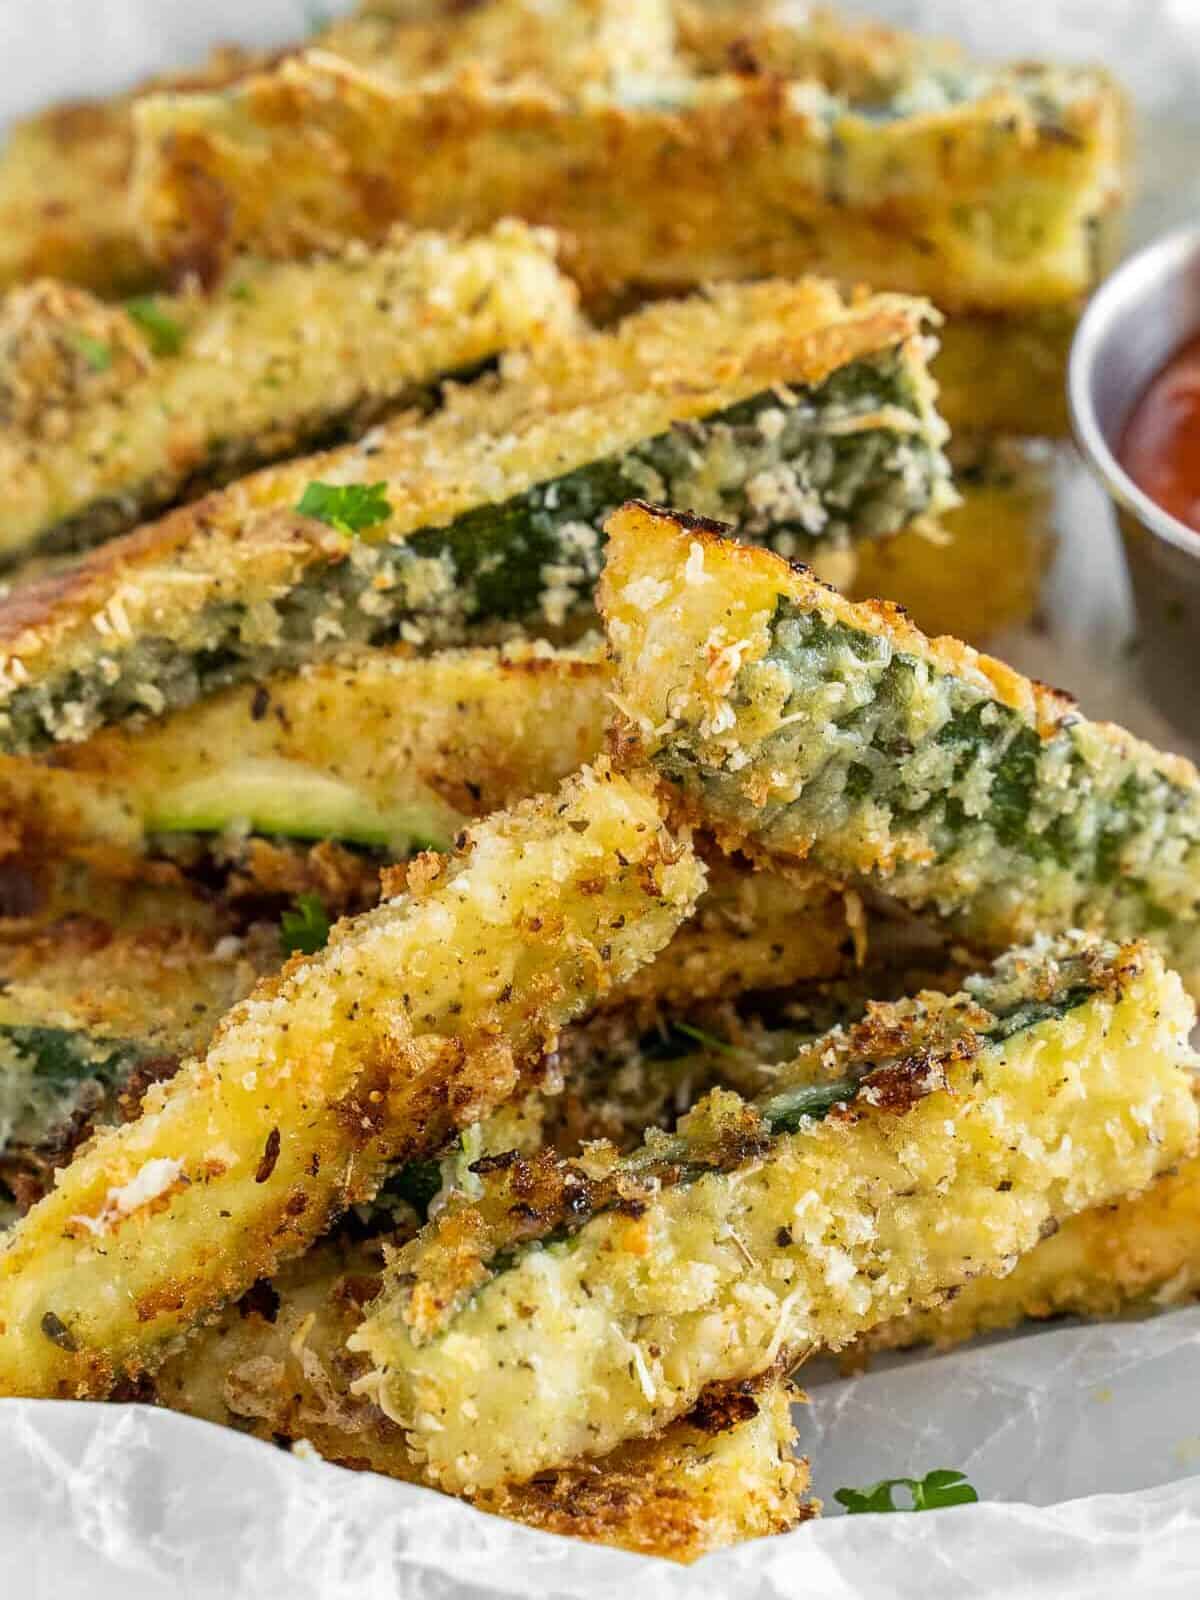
414, 1020
805, 727
1008, 374
400, 752
984, 189
276, 1365
1136, 1254
807, 419
110, 414
64, 174
381, 748
64, 182
581, 1305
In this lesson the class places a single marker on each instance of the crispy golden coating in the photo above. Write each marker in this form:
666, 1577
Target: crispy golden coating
861, 59
90, 1016
574, 1307
64, 173
276, 1365
124, 628
753, 931
414, 1020
165, 986
1138, 1253
804, 726
1006, 374
723, 1474
109, 414
64, 177
989, 201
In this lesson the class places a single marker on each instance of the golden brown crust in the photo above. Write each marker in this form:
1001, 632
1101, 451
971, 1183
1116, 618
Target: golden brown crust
1139, 1253
734, 181
275, 1365
1046, 708
571, 403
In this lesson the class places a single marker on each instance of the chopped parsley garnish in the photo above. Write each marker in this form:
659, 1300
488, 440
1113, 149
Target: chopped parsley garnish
348, 507
164, 333
306, 928
94, 351
930, 1493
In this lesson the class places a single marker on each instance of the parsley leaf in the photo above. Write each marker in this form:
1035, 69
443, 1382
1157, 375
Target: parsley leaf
95, 352
348, 507
164, 333
930, 1493
306, 928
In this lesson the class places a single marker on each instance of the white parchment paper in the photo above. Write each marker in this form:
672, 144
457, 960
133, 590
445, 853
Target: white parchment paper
1084, 1442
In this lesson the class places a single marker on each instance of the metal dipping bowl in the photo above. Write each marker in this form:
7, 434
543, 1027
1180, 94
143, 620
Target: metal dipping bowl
1133, 325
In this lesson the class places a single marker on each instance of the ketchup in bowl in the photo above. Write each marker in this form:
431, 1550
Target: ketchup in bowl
1160, 446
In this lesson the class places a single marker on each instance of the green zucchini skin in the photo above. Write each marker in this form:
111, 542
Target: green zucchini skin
800, 471
840, 735
1072, 812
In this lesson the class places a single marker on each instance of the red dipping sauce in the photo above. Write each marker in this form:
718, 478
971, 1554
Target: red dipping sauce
1160, 447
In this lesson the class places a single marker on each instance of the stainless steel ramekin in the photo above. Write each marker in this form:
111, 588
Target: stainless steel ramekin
1135, 322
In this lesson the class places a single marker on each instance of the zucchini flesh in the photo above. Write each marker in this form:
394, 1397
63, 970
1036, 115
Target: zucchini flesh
732, 1248
806, 726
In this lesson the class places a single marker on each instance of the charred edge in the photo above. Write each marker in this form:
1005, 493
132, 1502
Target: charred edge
132, 1098
687, 520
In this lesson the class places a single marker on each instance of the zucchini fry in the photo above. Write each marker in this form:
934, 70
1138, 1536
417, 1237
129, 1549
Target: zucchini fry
65, 173
578, 1306
984, 190
415, 1019
110, 414
808, 419
399, 752
276, 1365
64, 186
383, 748
1008, 374
804, 727
1139, 1253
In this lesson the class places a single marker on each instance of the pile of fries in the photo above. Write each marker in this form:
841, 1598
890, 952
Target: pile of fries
508, 944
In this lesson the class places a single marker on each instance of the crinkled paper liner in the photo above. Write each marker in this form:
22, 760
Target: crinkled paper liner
1083, 1442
